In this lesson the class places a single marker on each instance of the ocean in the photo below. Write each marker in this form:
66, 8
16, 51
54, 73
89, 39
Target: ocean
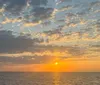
36, 78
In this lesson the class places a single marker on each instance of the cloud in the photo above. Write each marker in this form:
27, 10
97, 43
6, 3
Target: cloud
95, 48
11, 43
77, 51
32, 13
55, 31
37, 15
39, 2
95, 3
7, 20
13, 5
30, 24
42, 13
44, 54
25, 59
64, 8
17, 5
58, 37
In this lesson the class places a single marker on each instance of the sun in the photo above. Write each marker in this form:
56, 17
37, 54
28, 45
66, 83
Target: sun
56, 63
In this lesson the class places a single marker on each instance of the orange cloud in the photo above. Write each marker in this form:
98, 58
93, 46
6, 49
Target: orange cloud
7, 20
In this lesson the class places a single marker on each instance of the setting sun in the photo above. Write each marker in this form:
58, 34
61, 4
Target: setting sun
56, 63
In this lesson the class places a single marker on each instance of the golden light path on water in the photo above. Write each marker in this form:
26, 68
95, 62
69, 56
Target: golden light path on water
56, 78
56, 75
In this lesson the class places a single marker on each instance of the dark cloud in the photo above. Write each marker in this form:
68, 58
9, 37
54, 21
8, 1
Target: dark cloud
95, 50
97, 46
94, 3
20, 3
10, 43
55, 31
39, 13
76, 51
82, 13
42, 13
97, 24
46, 23
36, 13
39, 2
13, 5
17, 5
71, 15
61, 20
73, 50
25, 59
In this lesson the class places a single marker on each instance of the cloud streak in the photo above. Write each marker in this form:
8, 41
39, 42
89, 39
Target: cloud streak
11, 43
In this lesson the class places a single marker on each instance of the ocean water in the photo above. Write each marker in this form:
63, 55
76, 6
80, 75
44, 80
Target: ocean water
49, 78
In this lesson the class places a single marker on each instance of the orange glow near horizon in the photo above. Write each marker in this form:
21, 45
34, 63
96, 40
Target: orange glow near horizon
57, 66
70, 66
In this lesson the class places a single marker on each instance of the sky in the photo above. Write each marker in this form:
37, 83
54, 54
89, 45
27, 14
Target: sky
50, 35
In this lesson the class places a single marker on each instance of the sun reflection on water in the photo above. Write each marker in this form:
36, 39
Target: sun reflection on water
56, 78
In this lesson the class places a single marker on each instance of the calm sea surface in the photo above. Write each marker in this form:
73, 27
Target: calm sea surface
49, 78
